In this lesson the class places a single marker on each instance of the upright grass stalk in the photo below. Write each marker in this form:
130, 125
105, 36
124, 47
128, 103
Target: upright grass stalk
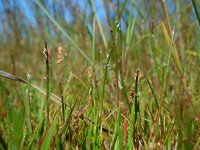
13, 62
137, 109
130, 28
167, 16
116, 129
133, 124
93, 40
27, 103
104, 79
47, 83
169, 58
62, 102
153, 48
153, 92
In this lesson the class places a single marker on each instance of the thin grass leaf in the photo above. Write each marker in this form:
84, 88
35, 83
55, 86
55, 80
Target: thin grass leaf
136, 95
197, 144
47, 83
135, 110
167, 16
120, 134
174, 52
189, 131
99, 24
169, 58
194, 3
49, 136
116, 129
27, 103
153, 49
130, 29
93, 40
105, 76
153, 92
168, 133
130, 140
59, 145
62, 101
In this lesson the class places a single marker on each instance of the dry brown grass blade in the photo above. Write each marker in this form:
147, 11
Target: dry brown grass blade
174, 51
167, 16
167, 38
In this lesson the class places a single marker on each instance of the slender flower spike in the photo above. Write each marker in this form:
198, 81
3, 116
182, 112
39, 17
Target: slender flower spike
60, 58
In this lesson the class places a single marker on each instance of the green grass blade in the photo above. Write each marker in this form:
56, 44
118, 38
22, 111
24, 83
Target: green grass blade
153, 92
27, 103
194, 3
129, 33
105, 77
48, 138
116, 129
169, 58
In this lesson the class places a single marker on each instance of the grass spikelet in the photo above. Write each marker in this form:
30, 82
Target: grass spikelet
131, 95
60, 57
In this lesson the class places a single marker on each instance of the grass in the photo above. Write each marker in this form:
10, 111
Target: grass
126, 80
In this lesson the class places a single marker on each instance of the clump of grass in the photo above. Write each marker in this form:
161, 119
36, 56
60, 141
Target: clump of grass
93, 72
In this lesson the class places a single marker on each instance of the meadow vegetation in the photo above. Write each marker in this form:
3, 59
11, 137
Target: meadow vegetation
74, 75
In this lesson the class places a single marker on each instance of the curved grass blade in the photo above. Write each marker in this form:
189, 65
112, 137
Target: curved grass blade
53, 97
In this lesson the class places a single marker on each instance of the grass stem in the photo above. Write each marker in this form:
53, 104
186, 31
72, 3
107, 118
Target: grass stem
47, 82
